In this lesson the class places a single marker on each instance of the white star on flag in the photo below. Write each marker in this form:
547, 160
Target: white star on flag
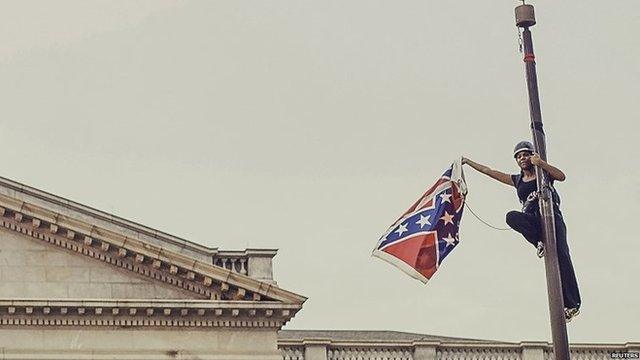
424, 220
450, 240
401, 229
447, 218
445, 198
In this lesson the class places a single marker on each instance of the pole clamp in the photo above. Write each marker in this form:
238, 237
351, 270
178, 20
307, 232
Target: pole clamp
529, 58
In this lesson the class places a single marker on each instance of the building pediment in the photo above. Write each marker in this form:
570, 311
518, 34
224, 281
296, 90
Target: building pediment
32, 268
183, 266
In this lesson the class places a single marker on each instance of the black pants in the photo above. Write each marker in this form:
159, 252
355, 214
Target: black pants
530, 227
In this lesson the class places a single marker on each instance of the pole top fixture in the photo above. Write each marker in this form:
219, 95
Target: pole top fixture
525, 16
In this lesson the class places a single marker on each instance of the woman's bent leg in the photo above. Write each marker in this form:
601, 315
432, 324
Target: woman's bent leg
526, 224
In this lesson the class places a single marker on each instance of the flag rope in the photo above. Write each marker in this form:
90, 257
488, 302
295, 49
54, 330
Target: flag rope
466, 204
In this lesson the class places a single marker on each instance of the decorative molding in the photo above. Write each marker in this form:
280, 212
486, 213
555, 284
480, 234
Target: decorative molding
256, 263
118, 313
204, 280
29, 194
117, 258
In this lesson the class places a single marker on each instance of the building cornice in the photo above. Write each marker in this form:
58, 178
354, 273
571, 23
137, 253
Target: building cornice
144, 313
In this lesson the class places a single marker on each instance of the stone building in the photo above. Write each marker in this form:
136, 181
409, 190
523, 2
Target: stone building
79, 283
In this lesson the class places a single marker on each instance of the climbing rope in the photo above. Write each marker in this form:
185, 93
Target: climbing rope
466, 204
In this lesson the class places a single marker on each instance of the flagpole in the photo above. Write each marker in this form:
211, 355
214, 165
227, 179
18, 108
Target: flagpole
525, 18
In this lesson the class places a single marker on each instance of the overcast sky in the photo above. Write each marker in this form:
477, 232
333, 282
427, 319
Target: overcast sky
310, 126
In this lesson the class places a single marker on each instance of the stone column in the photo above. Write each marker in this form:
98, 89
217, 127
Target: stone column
425, 350
316, 349
533, 350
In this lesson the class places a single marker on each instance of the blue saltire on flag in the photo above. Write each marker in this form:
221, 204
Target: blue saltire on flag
424, 235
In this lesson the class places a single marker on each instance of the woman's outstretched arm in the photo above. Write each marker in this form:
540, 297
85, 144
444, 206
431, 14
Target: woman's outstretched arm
494, 174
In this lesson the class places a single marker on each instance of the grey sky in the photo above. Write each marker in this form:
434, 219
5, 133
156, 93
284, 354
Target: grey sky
309, 126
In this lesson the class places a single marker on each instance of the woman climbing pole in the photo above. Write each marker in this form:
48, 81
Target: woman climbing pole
528, 221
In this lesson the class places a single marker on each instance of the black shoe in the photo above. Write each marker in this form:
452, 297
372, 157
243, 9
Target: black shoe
570, 313
540, 248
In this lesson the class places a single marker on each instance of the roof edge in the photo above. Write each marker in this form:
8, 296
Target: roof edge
81, 234
337, 337
107, 217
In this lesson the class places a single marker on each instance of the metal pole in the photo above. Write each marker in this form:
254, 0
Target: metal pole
524, 19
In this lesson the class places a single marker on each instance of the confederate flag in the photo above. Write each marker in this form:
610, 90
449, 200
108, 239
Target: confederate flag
426, 233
